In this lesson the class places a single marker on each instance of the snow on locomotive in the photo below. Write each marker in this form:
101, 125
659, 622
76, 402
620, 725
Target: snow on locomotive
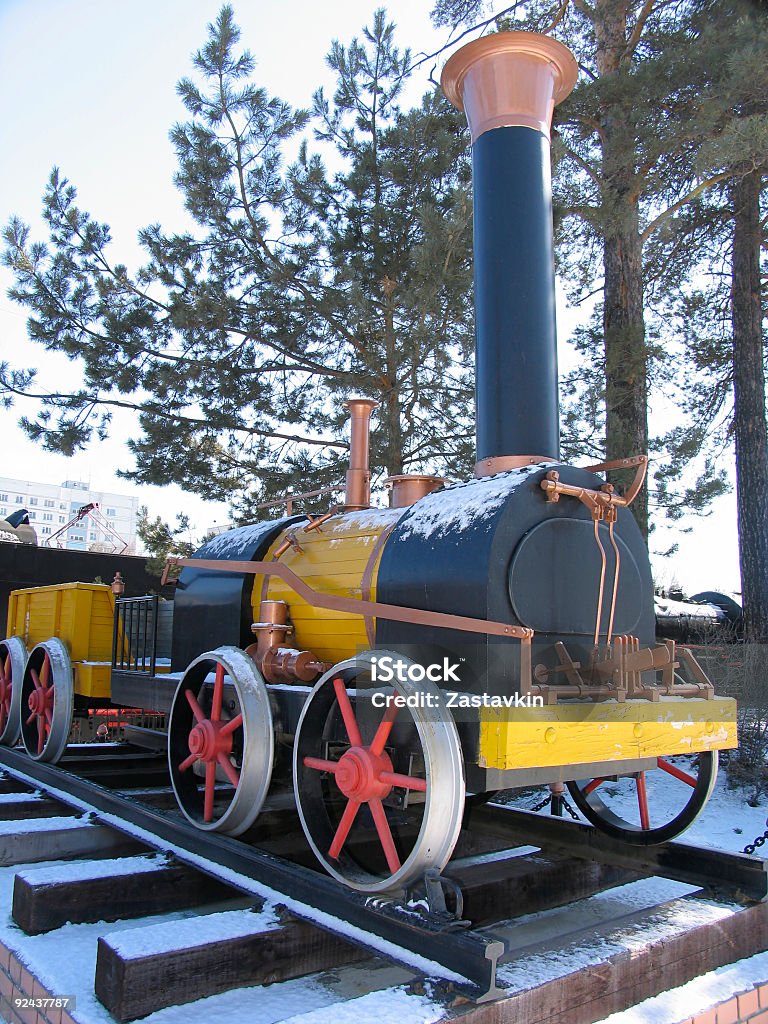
384, 663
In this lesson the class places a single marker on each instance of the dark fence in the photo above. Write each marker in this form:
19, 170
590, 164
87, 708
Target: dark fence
23, 565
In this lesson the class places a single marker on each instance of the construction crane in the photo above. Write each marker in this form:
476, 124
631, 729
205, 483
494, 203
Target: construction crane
93, 512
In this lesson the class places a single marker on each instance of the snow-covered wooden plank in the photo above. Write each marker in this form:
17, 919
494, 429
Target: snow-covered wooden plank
142, 970
495, 887
15, 806
10, 784
108, 890
59, 838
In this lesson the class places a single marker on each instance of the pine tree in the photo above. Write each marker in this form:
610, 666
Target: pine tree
722, 316
238, 341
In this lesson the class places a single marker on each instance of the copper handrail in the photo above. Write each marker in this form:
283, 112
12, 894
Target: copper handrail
337, 603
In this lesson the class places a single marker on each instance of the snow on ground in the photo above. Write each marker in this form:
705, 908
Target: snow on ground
81, 870
24, 825
19, 798
419, 962
393, 1007
697, 996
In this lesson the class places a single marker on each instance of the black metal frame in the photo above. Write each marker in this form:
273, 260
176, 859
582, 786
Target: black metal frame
133, 613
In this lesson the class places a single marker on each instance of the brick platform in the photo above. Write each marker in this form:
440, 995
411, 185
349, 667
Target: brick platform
16, 980
746, 1007
749, 1007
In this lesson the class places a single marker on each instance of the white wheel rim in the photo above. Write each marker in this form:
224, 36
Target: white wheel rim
255, 772
55, 743
444, 770
13, 651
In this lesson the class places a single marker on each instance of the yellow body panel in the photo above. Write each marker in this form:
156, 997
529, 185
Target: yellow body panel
332, 560
92, 680
79, 614
577, 733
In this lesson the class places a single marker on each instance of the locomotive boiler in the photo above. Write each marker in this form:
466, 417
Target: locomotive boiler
383, 663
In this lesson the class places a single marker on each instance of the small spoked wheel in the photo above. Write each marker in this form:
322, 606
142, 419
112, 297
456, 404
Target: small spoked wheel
221, 742
47, 701
13, 658
379, 788
649, 807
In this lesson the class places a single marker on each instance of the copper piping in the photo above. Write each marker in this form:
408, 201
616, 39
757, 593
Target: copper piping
315, 524
589, 497
623, 665
526, 683
606, 495
640, 461
358, 489
602, 576
337, 603
291, 540
276, 663
616, 571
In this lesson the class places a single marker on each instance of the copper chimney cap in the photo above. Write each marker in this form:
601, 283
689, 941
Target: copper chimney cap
408, 488
496, 92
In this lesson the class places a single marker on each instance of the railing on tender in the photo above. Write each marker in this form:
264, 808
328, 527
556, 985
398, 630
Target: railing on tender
134, 640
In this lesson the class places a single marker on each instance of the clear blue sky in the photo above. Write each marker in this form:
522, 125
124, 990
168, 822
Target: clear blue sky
89, 86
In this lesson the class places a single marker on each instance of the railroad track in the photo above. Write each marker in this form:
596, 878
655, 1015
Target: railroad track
520, 885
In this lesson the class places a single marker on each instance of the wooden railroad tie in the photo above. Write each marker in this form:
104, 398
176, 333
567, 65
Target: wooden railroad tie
132, 983
60, 838
110, 890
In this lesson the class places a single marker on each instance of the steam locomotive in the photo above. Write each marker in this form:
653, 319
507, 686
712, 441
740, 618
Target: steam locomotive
384, 663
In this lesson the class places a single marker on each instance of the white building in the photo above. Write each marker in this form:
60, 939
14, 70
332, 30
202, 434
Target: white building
51, 506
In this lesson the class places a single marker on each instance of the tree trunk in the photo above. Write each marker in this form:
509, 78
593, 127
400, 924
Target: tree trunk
626, 385
392, 441
391, 411
749, 406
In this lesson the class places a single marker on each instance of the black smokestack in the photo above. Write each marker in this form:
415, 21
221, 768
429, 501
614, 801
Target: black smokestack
508, 85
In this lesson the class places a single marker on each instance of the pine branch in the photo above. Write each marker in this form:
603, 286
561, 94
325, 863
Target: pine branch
689, 197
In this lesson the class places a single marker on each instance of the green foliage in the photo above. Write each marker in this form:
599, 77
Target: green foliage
162, 540
237, 342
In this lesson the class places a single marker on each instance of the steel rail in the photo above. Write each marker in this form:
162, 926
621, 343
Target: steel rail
469, 956
738, 874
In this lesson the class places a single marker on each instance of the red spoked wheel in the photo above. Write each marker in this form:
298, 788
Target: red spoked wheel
379, 788
221, 742
649, 807
47, 701
13, 658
